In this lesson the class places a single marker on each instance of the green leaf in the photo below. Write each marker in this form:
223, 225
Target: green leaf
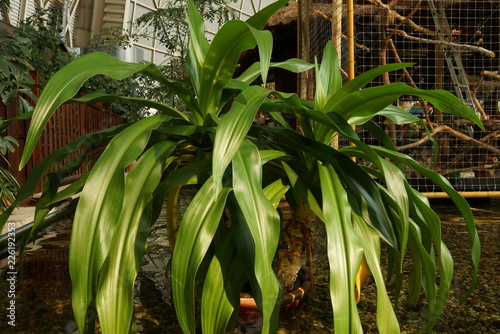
198, 45
108, 98
429, 223
5, 123
264, 40
233, 129
115, 292
275, 191
362, 105
92, 140
328, 77
23, 105
50, 195
259, 19
268, 155
360, 81
301, 187
65, 84
386, 318
196, 231
293, 65
358, 183
293, 102
445, 185
221, 60
178, 88
400, 116
98, 212
220, 301
263, 223
344, 251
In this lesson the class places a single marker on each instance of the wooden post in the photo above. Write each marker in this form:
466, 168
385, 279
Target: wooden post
350, 40
337, 27
304, 46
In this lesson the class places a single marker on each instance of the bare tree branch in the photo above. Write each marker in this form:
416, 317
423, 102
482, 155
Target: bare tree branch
454, 133
484, 51
400, 17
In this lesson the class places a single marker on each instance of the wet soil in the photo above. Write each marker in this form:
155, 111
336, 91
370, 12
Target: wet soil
43, 296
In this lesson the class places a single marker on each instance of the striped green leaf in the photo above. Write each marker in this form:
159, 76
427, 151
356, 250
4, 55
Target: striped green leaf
360, 81
115, 291
428, 225
344, 251
107, 98
87, 142
198, 45
233, 129
63, 85
445, 185
221, 290
362, 105
195, 234
98, 212
328, 77
222, 57
386, 318
263, 223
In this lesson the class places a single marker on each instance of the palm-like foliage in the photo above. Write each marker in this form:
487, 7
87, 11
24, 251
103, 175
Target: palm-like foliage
247, 169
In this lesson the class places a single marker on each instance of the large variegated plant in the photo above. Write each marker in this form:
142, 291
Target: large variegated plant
236, 164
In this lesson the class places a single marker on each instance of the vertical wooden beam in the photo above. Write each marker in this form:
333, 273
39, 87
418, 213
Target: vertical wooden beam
304, 46
337, 27
350, 40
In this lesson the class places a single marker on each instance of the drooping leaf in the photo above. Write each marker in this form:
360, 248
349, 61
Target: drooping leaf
386, 318
93, 140
259, 19
445, 185
233, 128
360, 81
263, 223
220, 301
107, 98
357, 181
98, 212
195, 234
428, 223
344, 252
65, 84
115, 291
362, 105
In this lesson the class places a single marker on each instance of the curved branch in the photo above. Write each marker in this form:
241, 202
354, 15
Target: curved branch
479, 49
402, 18
454, 133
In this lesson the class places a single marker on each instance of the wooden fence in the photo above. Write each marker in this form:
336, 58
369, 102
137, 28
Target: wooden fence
69, 122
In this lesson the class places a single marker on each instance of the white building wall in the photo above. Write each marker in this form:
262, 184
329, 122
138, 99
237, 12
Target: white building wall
120, 13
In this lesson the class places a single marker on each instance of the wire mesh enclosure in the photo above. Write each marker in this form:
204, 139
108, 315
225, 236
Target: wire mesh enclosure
453, 44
